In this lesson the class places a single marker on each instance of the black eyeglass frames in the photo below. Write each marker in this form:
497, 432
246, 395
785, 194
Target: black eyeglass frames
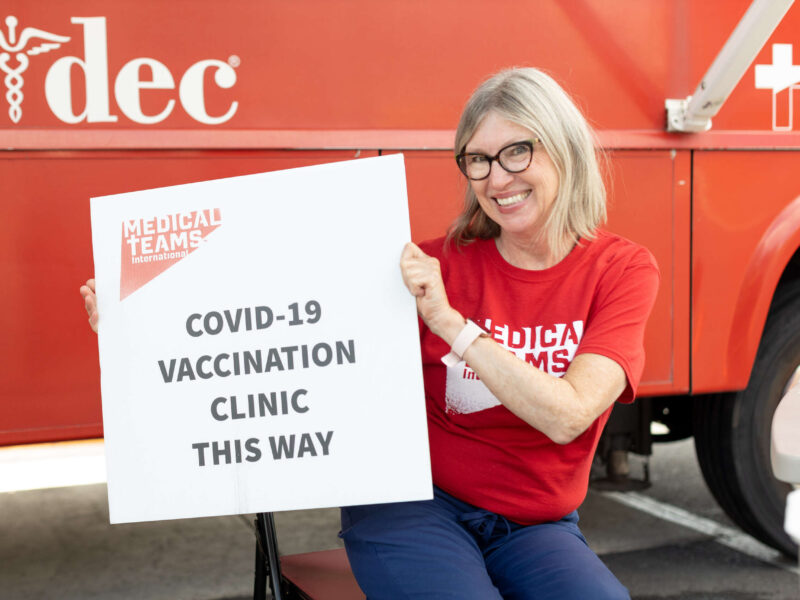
514, 158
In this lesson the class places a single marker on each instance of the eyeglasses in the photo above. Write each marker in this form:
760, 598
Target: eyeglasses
514, 158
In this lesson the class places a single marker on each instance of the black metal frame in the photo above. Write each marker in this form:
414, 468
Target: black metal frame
268, 566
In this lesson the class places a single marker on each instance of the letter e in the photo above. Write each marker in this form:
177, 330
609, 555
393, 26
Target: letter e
128, 86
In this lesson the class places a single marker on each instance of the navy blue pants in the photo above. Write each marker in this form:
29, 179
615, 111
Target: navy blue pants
446, 548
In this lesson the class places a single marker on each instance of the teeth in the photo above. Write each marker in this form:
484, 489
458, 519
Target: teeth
512, 199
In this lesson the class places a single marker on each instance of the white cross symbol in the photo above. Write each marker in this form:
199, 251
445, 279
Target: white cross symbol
778, 76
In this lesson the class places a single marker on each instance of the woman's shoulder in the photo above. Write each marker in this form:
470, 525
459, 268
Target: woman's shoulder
611, 248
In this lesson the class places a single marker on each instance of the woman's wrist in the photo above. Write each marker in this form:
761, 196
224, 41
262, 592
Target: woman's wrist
448, 326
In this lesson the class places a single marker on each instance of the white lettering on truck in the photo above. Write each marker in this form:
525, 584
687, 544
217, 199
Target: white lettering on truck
136, 76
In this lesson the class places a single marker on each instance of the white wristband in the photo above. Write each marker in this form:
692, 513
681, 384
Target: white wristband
464, 339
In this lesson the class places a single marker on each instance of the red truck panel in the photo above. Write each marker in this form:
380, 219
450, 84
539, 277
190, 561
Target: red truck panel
650, 203
746, 227
313, 81
396, 64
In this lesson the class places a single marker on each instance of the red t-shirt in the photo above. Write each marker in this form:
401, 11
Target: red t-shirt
595, 300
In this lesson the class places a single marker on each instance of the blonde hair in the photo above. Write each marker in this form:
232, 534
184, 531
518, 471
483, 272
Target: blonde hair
532, 99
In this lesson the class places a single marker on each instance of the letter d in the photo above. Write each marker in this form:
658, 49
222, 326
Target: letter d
58, 90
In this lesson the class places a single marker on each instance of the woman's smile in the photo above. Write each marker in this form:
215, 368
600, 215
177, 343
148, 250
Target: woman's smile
510, 200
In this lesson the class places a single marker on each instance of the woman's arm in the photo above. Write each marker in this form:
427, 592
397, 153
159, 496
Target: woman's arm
561, 408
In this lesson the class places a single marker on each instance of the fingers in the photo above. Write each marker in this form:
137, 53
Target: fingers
90, 303
422, 275
420, 271
411, 250
88, 288
93, 318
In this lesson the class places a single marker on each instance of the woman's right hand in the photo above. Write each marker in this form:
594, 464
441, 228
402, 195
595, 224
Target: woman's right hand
90, 302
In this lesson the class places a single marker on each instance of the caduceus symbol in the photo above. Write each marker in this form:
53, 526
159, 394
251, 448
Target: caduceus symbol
13, 78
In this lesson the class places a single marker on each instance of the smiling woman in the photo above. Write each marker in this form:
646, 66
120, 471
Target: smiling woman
527, 103
532, 326
533, 323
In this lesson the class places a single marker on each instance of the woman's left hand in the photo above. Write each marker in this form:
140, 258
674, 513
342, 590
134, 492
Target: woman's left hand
423, 278
90, 302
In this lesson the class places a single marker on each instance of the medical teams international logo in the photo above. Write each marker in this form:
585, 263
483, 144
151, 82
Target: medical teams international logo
549, 347
152, 245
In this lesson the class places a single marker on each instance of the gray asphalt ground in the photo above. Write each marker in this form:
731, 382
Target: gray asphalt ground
57, 543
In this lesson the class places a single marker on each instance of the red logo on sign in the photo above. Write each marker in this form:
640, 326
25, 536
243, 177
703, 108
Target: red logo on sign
151, 246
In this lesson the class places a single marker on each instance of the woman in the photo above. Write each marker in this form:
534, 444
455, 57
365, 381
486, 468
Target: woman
515, 406
512, 440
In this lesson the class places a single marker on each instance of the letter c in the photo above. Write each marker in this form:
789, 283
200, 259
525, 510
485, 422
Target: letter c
189, 330
199, 367
214, 404
295, 405
192, 93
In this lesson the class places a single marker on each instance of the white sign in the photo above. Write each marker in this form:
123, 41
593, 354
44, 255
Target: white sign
258, 349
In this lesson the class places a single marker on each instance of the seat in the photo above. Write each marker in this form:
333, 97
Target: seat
323, 575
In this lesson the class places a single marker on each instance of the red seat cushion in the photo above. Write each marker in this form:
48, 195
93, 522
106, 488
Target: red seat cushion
324, 575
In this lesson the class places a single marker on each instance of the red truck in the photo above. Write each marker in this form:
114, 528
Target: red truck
101, 98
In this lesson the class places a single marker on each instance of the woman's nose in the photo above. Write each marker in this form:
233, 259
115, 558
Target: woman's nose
498, 176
